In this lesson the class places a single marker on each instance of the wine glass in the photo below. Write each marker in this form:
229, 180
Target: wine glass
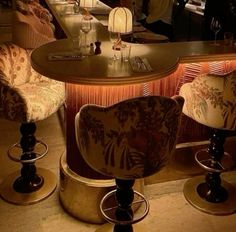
114, 37
85, 27
215, 27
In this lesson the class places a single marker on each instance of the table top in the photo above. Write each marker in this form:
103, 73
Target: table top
101, 70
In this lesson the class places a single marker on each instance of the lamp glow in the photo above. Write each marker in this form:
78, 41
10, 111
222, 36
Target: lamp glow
120, 20
88, 3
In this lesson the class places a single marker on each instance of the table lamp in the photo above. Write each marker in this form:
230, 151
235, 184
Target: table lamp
120, 22
88, 4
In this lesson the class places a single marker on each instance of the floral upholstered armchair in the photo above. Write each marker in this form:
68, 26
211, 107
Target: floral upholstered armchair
27, 97
32, 25
126, 141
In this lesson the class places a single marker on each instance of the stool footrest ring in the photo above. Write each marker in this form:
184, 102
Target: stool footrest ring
207, 164
19, 160
109, 211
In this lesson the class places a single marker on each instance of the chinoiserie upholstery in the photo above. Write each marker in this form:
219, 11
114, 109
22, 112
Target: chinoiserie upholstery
126, 141
26, 97
211, 100
32, 25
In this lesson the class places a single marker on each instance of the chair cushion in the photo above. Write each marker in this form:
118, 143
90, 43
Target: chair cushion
26, 95
29, 31
211, 100
32, 102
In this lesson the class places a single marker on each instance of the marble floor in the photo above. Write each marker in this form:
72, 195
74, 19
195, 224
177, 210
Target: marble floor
169, 211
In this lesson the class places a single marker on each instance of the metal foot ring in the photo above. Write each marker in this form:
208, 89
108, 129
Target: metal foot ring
38, 155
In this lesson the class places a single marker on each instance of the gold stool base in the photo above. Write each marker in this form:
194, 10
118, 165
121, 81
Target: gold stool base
8, 193
223, 208
139, 227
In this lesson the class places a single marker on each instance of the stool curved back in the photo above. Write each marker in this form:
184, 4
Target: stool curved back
128, 140
26, 96
131, 139
211, 100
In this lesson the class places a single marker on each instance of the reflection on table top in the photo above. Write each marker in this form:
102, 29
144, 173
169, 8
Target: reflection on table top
99, 70
196, 9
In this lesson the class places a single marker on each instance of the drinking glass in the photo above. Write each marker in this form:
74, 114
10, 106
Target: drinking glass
75, 44
215, 27
85, 27
114, 37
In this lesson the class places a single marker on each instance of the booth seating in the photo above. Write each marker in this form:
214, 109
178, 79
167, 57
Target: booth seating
31, 25
129, 140
27, 97
211, 101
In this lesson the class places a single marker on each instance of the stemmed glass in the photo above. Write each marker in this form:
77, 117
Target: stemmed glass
114, 37
85, 27
215, 27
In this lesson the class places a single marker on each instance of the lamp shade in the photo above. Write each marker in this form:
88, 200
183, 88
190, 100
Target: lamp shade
120, 20
88, 3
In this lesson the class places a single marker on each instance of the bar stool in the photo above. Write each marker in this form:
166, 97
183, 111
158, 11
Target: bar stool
211, 100
27, 97
126, 141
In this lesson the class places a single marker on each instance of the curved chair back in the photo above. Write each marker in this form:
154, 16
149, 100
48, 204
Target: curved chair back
131, 139
15, 66
211, 100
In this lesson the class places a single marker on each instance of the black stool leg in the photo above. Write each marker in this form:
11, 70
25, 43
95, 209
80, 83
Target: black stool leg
209, 193
31, 185
29, 181
124, 197
212, 190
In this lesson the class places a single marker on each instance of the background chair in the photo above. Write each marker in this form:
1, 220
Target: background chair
27, 97
126, 141
211, 101
31, 25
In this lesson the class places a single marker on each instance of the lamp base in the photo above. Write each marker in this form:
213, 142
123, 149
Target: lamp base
220, 208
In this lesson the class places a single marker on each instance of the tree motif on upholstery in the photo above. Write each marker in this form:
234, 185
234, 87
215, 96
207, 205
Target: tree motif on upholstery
133, 138
202, 93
